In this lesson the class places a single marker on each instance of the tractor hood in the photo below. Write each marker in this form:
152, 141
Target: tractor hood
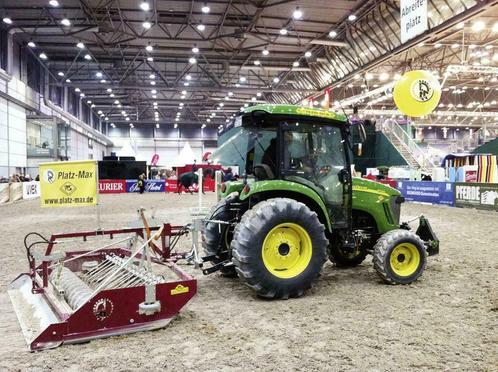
362, 184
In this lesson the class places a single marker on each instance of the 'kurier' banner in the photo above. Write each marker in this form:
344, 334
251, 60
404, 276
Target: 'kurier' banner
112, 186
68, 183
427, 192
477, 195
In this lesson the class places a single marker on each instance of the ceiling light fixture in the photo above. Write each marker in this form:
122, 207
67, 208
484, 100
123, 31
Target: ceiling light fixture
192, 60
242, 79
295, 64
66, 22
80, 45
257, 62
152, 76
352, 17
98, 74
7, 20
68, 80
307, 54
297, 14
276, 80
478, 26
88, 57
149, 48
150, 59
103, 81
205, 9
201, 27
332, 34
43, 56
283, 31
147, 25
54, 3
145, 6
153, 91
60, 73
31, 44
265, 52
195, 49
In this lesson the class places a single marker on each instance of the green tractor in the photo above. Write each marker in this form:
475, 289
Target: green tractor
297, 204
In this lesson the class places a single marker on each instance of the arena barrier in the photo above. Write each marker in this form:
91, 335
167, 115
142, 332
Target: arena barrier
168, 185
428, 192
4, 193
15, 191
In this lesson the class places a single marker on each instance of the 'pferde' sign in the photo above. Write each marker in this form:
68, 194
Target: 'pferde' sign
413, 17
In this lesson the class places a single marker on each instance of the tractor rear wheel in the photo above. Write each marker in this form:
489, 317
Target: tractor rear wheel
399, 257
279, 248
216, 238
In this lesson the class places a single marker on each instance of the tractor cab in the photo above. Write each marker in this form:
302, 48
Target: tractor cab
291, 145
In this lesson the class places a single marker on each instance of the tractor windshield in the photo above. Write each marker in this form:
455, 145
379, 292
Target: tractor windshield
253, 150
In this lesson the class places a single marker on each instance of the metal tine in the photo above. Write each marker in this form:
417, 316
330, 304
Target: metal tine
116, 283
97, 270
120, 275
102, 274
99, 267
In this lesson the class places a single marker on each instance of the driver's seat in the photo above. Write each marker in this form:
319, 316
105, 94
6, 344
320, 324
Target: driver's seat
263, 172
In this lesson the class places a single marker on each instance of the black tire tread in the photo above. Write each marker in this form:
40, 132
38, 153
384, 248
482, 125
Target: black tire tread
382, 249
243, 243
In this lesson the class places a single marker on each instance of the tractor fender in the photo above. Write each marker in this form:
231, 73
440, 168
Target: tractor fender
282, 188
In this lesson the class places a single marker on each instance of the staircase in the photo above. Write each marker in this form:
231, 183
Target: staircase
414, 156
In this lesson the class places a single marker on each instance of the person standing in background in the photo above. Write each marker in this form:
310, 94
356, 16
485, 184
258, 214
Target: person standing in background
141, 183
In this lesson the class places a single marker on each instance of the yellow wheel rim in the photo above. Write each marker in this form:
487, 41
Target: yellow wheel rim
405, 259
287, 250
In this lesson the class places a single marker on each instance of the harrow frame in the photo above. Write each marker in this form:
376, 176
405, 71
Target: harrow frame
107, 312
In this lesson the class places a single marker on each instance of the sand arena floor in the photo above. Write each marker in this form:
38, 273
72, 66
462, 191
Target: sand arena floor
349, 321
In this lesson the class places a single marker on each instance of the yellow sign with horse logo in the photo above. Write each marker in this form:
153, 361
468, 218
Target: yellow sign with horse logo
68, 183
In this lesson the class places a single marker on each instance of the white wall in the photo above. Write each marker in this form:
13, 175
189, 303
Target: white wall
12, 128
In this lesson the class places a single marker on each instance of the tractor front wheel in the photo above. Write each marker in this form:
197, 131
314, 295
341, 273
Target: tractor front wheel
399, 257
279, 248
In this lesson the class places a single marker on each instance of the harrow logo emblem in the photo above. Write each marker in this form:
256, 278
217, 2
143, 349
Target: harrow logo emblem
179, 290
49, 176
422, 90
102, 309
68, 188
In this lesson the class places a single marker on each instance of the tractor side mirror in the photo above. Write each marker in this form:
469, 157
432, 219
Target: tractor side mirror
362, 133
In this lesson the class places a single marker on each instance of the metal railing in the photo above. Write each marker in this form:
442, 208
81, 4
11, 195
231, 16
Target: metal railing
403, 141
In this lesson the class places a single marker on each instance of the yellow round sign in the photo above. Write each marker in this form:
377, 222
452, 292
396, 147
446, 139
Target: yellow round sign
417, 93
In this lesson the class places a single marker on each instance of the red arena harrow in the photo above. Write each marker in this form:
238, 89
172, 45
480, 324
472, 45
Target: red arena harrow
77, 296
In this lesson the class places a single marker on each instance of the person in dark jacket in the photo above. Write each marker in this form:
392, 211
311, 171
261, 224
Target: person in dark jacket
228, 176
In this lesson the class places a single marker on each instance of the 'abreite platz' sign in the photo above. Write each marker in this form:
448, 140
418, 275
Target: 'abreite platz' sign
413, 18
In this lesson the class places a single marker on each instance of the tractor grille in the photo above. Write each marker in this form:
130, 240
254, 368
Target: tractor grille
396, 208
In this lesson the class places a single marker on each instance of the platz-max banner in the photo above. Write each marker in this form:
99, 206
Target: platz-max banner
477, 195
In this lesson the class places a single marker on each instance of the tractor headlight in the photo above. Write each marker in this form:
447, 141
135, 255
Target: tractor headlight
396, 207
